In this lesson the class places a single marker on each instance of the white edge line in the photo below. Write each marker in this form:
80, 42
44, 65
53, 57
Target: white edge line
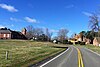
92, 51
54, 58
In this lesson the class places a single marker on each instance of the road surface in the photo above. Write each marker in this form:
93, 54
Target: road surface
74, 57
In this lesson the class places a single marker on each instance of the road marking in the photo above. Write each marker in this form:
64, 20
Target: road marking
80, 60
53, 58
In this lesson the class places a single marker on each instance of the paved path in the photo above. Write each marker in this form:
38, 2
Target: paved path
90, 59
74, 57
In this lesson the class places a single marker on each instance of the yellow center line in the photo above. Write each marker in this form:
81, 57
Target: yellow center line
80, 60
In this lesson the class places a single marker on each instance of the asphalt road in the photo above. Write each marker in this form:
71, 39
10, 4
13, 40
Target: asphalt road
90, 59
70, 58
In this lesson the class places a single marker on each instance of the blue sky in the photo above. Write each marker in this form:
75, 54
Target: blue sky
52, 14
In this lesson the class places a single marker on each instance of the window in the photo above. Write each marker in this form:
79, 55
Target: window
8, 35
4, 35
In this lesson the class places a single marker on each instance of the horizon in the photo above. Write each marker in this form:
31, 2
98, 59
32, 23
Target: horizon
52, 14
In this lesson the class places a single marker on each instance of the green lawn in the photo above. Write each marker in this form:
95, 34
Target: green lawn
23, 53
93, 48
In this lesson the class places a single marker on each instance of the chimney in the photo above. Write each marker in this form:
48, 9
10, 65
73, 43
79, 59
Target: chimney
24, 31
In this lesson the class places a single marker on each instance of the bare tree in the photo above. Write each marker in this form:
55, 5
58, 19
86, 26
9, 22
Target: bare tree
94, 22
62, 34
30, 31
33, 32
49, 34
73, 35
38, 31
55, 38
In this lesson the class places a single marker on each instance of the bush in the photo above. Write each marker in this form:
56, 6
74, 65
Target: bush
82, 43
69, 42
65, 41
78, 42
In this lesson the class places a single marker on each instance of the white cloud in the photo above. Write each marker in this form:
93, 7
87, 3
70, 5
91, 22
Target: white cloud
70, 6
87, 13
54, 31
14, 19
8, 7
1, 26
32, 20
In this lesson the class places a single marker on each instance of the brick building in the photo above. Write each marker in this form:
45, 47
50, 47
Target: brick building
96, 41
9, 34
5, 34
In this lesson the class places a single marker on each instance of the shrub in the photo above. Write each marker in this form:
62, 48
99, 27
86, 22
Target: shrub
78, 42
65, 41
82, 43
69, 42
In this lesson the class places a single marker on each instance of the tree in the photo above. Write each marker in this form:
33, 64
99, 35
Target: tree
55, 38
43, 37
62, 34
33, 32
90, 35
94, 22
30, 31
73, 35
38, 31
83, 33
49, 34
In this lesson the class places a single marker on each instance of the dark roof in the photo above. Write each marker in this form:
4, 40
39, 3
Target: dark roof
5, 31
16, 32
98, 39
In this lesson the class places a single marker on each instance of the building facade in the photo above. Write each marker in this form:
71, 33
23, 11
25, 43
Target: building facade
96, 41
9, 34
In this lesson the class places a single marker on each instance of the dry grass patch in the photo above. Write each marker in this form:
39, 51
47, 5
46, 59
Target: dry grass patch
23, 52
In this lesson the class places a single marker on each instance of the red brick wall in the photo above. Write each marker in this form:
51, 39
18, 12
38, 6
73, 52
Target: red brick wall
6, 36
95, 43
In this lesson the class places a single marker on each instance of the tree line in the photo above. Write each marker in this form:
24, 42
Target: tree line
40, 34
46, 35
94, 26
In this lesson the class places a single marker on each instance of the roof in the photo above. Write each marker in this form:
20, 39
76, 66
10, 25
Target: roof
17, 32
5, 31
98, 39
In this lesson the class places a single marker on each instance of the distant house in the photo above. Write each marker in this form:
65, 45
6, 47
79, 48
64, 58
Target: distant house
5, 34
86, 40
9, 34
78, 37
56, 41
96, 41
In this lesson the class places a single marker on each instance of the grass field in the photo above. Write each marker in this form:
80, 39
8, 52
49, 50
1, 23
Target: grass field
93, 48
23, 53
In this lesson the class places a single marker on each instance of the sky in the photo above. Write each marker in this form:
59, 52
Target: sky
52, 14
